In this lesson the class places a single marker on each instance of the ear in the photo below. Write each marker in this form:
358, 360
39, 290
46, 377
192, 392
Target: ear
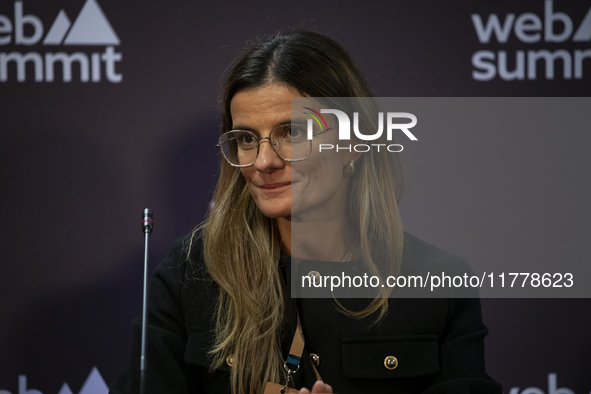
351, 156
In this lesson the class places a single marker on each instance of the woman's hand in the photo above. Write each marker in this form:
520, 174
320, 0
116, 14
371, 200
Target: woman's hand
319, 388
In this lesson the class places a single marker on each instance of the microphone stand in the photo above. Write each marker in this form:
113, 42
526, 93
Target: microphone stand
147, 226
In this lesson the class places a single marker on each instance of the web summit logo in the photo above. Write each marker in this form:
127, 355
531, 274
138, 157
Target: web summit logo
529, 28
94, 384
91, 27
345, 130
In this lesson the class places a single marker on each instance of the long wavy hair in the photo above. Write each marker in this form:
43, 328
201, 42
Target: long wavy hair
242, 246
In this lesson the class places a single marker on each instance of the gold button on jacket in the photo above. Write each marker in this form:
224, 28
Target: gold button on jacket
390, 362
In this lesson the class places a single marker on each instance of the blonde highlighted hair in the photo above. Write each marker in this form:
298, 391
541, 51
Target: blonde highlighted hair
242, 247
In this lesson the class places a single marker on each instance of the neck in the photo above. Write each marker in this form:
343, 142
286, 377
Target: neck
323, 240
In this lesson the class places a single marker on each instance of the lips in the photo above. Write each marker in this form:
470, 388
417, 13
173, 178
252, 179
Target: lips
273, 186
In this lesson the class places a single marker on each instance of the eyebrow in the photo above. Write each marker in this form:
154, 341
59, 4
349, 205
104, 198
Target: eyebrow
280, 123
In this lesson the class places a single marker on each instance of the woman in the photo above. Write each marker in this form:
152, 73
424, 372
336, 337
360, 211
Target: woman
221, 316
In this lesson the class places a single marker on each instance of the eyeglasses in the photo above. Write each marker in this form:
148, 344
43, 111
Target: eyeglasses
241, 147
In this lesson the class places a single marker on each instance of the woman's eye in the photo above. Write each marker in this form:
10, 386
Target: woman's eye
295, 132
245, 139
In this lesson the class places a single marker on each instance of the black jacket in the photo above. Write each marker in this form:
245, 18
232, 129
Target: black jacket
438, 342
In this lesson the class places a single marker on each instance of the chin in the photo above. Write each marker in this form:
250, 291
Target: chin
274, 207
276, 213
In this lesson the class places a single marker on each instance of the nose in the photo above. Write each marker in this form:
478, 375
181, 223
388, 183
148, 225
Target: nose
267, 160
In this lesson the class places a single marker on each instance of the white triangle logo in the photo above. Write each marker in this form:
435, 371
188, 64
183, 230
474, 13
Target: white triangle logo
65, 389
58, 30
584, 31
94, 384
92, 27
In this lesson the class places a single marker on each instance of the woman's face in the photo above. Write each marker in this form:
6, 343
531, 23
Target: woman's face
282, 189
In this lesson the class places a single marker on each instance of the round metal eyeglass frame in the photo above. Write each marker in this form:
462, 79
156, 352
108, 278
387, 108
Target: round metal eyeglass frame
273, 144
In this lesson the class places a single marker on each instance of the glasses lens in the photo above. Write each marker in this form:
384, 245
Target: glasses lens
291, 141
239, 147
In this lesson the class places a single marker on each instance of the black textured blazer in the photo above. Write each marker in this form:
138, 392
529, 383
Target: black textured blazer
437, 342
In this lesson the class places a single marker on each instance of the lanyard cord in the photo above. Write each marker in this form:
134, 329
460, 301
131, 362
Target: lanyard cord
292, 364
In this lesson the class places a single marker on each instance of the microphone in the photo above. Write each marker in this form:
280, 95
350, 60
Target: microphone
147, 221
147, 226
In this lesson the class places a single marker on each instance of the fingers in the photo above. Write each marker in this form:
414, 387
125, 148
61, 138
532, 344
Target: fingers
321, 388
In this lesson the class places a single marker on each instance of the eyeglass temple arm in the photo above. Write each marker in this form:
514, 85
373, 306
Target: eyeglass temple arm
324, 131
